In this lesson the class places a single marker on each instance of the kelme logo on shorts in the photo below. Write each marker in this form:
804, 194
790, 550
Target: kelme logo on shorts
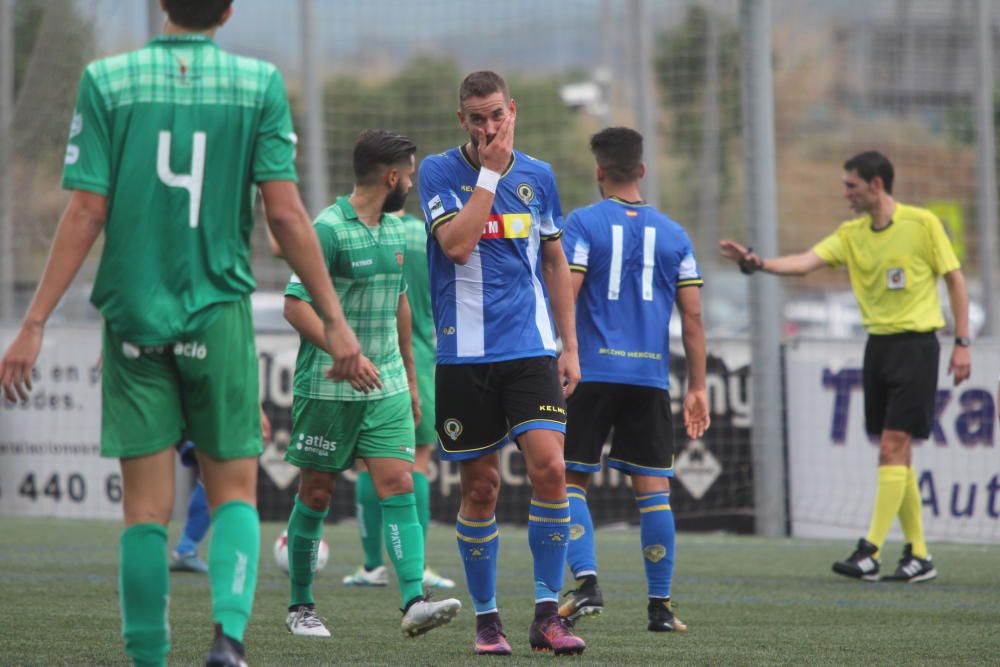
452, 428
316, 444
654, 552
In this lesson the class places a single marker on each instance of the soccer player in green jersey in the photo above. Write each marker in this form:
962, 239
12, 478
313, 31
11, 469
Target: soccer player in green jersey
165, 146
364, 248
369, 512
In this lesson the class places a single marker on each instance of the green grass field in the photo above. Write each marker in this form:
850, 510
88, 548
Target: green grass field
747, 600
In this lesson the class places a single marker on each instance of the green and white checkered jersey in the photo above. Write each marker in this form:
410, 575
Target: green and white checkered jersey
176, 134
418, 289
366, 267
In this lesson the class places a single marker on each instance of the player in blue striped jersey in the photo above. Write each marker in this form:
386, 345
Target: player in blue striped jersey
493, 252
630, 264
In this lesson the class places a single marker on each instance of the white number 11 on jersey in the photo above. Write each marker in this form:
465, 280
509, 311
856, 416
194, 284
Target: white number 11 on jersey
648, 262
191, 182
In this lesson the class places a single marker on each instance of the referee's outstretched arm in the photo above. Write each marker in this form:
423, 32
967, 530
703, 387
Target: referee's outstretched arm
786, 265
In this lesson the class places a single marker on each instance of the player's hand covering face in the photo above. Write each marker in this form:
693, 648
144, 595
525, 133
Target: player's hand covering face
490, 123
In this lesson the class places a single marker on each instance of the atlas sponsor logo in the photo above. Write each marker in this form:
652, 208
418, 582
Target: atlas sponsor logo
315, 444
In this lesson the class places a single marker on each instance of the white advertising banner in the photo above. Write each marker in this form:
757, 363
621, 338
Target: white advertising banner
832, 464
50, 462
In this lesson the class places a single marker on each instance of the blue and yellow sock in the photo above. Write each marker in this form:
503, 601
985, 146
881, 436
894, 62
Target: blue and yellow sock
232, 565
548, 537
479, 545
580, 555
143, 588
305, 531
197, 522
658, 535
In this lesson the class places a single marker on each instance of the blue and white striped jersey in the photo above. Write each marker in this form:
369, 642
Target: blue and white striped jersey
634, 258
495, 307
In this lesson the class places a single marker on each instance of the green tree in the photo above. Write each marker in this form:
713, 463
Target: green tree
681, 70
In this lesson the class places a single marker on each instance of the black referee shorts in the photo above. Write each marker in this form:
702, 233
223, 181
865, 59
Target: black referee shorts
900, 381
643, 441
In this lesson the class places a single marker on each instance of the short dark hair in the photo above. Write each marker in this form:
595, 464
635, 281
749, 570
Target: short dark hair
379, 148
871, 164
618, 150
481, 84
196, 14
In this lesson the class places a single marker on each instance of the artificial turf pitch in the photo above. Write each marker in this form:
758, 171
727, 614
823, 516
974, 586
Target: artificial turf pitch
747, 600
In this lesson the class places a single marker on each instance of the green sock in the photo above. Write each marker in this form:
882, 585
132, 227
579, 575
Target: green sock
305, 530
369, 519
405, 541
144, 590
232, 565
422, 490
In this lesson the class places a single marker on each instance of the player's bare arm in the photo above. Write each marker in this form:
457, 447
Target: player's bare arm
458, 237
555, 271
404, 329
786, 265
303, 318
292, 229
576, 280
696, 414
960, 365
80, 225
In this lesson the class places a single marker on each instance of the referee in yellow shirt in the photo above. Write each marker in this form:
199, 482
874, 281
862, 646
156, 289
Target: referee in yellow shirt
894, 254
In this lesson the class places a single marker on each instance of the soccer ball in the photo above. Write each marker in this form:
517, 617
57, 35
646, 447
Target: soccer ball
281, 553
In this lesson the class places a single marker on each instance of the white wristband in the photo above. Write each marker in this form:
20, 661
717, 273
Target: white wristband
488, 179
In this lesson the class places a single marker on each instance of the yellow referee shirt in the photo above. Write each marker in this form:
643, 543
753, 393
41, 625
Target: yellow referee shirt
894, 270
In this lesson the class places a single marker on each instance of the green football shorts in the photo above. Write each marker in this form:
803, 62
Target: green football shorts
203, 388
426, 435
329, 435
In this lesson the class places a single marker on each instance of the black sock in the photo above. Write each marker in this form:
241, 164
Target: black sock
545, 609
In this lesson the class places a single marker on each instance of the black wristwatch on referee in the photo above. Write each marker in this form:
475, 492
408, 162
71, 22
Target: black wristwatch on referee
963, 341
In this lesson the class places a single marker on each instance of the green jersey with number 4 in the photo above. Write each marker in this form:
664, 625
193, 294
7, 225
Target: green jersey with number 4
175, 135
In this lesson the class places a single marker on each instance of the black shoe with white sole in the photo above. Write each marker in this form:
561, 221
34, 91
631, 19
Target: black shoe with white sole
912, 570
861, 564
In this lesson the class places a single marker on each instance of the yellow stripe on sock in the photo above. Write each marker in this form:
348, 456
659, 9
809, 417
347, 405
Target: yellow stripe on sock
477, 524
653, 508
477, 540
552, 506
576, 486
653, 495
547, 519
576, 495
